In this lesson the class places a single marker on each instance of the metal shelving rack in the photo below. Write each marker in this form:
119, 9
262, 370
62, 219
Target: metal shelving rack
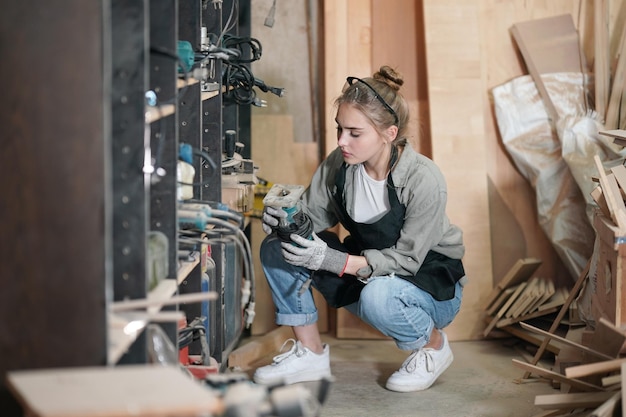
82, 194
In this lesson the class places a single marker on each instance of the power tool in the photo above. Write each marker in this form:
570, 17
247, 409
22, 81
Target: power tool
287, 198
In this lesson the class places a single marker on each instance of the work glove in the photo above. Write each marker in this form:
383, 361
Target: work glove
271, 218
314, 254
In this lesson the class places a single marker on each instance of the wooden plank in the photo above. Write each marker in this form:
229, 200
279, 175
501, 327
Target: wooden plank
613, 111
530, 316
406, 57
566, 341
530, 337
611, 192
598, 196
504, 308
528, 296
573, 400
612, 380
619, 171
594, 368
549, 45
558, 299
548, 292
519, 272
555, 376
504, 295
614, 133
619, 209
601, 66
121, 391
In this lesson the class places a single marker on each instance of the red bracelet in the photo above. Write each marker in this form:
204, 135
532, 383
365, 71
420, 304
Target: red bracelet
344, 266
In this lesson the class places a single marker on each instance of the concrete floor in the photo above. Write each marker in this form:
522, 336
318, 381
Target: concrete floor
479, 383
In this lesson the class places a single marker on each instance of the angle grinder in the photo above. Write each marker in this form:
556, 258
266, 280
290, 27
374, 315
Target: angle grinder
287, 198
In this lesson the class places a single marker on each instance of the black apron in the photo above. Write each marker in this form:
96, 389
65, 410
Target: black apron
437, 275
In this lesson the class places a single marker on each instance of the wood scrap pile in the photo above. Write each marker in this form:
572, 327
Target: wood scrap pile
521, 296
589, 369
588, 372
592, 387
589, 365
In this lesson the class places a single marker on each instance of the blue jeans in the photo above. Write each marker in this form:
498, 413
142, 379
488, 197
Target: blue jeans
392, 305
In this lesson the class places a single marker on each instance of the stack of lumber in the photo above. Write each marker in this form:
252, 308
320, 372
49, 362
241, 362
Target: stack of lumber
521, 296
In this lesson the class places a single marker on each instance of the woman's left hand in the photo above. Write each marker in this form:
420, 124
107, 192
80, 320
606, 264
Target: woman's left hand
314, 254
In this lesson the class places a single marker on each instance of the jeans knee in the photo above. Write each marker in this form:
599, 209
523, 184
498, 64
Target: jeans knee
375, 305
270, 250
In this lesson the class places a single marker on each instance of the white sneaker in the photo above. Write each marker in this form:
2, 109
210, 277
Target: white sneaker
299, 364
421, 369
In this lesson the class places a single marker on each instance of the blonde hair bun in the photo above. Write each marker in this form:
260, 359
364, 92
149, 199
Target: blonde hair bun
389, 76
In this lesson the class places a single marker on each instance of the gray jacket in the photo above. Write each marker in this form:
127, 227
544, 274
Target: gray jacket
420, 187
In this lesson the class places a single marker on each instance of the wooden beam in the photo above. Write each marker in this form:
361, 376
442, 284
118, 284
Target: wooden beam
504, 308
540, 313
602, 70
594, 368
530, 337
613, 111
566, 341
573, 400
555, 376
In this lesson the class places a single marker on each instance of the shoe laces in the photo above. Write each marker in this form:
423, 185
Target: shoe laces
296, 349
415, 360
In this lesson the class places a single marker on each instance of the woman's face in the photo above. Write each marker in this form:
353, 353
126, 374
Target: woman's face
356, 136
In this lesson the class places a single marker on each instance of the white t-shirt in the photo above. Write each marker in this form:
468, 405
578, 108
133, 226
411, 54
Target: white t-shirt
371, 200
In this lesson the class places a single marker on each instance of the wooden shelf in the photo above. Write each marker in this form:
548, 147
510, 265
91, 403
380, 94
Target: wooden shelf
205, 95
124, 328
154, 113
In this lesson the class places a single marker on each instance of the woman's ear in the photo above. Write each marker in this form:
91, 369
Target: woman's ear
392, 132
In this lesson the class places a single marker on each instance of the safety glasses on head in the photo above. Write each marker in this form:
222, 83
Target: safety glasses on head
352, 80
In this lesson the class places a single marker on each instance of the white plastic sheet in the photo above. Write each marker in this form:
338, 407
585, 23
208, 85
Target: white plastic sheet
556, 158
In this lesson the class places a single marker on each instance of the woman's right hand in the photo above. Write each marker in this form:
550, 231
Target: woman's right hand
271, 218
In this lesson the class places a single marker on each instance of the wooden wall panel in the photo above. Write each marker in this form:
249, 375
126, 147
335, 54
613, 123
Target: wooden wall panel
395, 42
347, 48
456, 94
